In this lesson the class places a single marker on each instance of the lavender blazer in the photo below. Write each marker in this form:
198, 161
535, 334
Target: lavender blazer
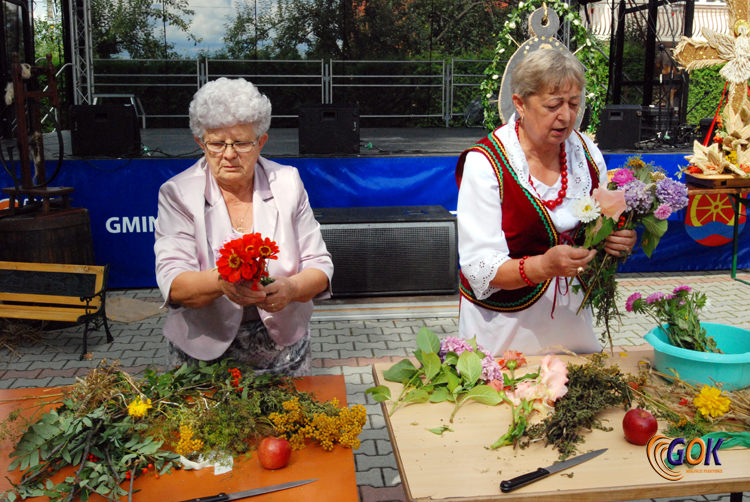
193, 224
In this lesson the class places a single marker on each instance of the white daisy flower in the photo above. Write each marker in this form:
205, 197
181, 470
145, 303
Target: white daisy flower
586, 209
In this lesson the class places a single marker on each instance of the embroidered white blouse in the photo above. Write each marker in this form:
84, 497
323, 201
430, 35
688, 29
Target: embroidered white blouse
483, 249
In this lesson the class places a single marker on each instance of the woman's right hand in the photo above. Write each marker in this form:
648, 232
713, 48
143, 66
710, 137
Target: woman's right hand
564, 260
242, 293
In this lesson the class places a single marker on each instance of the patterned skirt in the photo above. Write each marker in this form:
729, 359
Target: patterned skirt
254, 347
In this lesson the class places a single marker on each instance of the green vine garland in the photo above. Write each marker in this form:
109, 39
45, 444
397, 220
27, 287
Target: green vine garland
514, 33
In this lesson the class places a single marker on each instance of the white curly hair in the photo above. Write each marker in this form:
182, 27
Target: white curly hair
226, 102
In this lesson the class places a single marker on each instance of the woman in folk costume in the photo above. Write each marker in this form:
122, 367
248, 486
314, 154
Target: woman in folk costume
517, 234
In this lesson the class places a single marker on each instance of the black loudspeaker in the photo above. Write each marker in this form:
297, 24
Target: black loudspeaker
619, 127
110, 130
703, 126
328, 129
380, 251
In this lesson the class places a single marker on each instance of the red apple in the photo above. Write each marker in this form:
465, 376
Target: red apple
274, 453
639, 426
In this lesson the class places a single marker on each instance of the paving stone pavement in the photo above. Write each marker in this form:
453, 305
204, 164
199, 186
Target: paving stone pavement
348, 345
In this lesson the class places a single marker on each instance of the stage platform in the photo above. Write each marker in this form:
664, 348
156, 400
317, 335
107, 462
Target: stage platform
395, 167
378, 142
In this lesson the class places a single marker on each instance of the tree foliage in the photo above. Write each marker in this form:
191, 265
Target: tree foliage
362, 29
136, 27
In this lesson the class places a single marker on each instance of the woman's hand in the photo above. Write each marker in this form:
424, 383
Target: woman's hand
242, 293
620, 243
280, 293
565, 261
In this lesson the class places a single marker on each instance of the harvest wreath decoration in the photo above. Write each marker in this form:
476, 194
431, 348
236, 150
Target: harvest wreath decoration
112, 428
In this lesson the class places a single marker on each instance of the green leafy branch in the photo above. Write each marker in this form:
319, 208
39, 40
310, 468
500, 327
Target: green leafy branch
456, 379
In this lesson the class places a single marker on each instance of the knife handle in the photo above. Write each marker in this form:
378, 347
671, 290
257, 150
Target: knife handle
524, 479
221, 497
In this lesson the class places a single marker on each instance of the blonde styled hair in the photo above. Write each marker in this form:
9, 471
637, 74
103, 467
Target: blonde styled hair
546, 70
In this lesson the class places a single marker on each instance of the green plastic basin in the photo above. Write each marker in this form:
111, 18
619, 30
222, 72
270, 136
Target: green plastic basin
731, 369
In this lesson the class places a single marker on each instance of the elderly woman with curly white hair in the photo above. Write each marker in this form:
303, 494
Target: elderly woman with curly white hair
229, 192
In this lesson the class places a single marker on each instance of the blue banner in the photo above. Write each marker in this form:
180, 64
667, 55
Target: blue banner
121, 197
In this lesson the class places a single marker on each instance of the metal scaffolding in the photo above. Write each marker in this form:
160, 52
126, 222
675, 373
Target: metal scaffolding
81, 58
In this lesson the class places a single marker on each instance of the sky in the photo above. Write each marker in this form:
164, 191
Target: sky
208, 23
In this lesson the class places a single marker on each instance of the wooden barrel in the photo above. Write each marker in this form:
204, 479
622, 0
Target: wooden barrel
58, 237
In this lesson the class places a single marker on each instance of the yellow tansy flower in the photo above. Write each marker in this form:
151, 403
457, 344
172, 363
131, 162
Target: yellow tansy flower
138, 408
710, 402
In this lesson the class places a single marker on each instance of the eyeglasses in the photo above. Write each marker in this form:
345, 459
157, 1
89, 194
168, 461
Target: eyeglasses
218, 147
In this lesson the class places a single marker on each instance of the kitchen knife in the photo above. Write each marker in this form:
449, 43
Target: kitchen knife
524, 479
222, 497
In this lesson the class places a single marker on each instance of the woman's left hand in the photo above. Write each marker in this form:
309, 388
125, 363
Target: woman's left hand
620, 243
280, 293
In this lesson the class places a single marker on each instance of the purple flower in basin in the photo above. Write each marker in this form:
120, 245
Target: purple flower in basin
631, 300
655, 297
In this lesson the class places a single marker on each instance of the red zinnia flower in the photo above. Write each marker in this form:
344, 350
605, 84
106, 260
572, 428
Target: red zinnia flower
244, 259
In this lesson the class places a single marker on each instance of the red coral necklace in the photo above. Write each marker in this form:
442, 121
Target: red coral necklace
553, 203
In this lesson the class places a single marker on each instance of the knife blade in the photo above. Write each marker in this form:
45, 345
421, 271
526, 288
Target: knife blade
223, 497
524, 479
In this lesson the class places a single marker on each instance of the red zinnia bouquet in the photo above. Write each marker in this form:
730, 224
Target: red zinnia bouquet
245, 259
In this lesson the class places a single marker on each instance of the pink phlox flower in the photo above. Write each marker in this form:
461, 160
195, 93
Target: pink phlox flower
453, 344
631, 300
663, 211
682, 287
611, 202
623, 177
491, 369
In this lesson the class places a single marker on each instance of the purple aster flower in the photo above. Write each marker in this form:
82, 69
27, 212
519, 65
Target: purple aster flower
655, 297
663, 211
491, 370
673, 193
453, 344
638, 197
683, 287
631, 300
623, 177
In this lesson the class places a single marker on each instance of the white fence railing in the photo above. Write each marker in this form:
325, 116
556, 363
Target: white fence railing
439, 89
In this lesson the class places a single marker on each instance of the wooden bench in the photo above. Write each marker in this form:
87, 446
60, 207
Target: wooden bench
55, 292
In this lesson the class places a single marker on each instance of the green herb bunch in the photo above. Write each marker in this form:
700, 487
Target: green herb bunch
453, 378
112, 428
592, 388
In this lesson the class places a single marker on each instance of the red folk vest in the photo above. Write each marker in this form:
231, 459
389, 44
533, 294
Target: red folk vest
526, 222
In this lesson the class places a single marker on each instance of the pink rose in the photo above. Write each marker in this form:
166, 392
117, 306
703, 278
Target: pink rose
611, 202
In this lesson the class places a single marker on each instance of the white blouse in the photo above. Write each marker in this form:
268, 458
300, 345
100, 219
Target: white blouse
483, 249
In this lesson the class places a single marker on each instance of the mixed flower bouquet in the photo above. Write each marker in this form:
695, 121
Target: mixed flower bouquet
246, 259
679, 312
639, 195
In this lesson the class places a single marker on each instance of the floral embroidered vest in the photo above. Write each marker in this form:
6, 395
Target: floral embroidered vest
526, 222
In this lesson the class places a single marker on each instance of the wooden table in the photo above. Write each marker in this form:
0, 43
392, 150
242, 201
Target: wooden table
459, 466
334, 470
736, 194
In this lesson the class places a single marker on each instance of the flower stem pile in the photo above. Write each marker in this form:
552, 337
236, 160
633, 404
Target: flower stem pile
112, 428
